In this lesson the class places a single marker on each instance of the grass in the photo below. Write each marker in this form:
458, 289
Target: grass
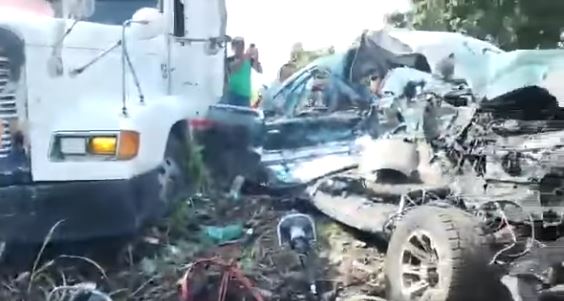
197, 171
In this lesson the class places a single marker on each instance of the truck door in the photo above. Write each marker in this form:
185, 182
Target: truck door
196, 61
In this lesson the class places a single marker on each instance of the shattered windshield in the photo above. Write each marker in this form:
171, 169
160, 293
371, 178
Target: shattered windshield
113, 12
318, 86
40, 7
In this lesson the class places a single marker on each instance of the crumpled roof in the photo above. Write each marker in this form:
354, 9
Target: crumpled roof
383, 39
489, 71
376, 53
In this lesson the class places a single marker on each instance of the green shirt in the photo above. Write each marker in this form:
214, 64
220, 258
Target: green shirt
240, 80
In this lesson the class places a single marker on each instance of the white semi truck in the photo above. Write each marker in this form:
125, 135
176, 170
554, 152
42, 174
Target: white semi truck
97, 102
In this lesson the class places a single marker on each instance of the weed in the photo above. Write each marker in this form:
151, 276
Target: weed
197, 170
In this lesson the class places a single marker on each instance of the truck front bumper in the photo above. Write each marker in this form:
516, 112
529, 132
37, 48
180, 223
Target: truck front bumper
85, 210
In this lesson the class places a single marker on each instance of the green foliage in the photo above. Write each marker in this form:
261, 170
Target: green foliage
180, 219
301, 57
197, 171
508, 23
400, 20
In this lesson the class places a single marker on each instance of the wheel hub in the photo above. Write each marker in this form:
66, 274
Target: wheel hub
168, 178
419, 266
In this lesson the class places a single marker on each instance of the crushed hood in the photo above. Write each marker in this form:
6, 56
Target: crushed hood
489, 71
509, 71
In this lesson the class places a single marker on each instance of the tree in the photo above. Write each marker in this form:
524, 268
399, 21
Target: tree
300, 57
400, 20
508, 23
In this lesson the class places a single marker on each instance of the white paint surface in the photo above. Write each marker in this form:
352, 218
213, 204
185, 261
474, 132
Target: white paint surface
91, 102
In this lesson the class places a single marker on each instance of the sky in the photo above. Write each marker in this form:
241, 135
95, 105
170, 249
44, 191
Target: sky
274, 25
36, 6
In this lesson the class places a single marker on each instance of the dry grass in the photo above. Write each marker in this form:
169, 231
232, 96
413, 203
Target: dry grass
150, 268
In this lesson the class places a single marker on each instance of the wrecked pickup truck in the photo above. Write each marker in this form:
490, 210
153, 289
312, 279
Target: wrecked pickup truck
318, 113
468, 186
464, 178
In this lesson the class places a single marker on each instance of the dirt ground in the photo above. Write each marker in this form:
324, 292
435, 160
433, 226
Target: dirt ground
347, 265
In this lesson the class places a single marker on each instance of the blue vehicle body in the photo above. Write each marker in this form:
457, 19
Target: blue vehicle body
290, 140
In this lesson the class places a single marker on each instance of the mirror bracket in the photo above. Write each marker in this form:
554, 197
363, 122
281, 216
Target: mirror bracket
146, 23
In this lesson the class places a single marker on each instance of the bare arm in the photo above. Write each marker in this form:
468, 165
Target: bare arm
257, 66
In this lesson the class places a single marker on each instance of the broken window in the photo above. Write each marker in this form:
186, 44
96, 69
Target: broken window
325, 92
314, 96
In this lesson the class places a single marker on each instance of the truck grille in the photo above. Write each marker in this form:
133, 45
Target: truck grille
8, 111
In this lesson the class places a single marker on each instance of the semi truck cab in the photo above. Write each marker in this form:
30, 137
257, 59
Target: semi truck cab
97, 99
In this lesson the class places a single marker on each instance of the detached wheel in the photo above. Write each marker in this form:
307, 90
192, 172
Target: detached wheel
172, 177
437, 254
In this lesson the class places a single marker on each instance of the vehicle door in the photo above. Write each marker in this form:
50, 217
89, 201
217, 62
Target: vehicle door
314, 131
316, 109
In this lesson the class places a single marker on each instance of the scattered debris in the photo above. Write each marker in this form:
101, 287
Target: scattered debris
445, 67
77, 292
298, 231
235, 191
194, 284
343, 265
224, 234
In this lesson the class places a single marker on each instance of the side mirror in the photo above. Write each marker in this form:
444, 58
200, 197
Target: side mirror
213, 47
147, 23
80, 9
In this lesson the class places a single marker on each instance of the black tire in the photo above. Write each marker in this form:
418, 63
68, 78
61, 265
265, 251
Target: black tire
173, 173
455, 267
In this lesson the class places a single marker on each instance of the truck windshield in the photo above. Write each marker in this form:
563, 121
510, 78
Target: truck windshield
115, 12
40, 7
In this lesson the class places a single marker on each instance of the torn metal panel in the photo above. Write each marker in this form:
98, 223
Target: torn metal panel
517, 69
538, 275
478, 152
355, 211
299, 166
311, 130
372, 58
397, 79
383, 39
490, 71
553, 83
498, 157
391, 154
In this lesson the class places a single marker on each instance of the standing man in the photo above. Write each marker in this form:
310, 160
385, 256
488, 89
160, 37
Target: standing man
240, 66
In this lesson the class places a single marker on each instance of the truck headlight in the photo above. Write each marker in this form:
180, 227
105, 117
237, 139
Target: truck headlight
105, 146
123, 145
